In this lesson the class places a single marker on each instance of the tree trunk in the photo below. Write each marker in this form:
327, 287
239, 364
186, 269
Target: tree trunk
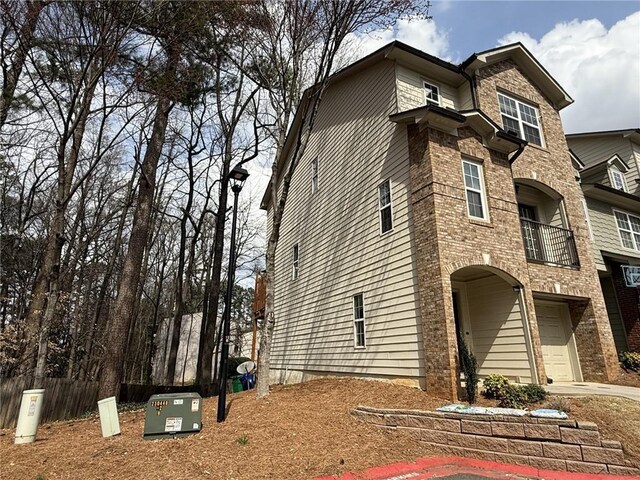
25, 37
120, 319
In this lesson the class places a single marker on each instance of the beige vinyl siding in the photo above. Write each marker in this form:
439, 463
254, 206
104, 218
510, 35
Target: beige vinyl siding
464, 97
605, 230
592, 150
411, 90
617, 328
547, 208
341, 250
497, 329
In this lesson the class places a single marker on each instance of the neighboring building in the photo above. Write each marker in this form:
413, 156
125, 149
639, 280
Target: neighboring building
609, 169
417, 215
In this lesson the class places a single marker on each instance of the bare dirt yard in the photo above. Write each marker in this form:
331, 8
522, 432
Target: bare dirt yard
298, 432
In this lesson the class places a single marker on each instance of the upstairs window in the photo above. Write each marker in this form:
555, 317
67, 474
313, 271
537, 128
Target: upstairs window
520, 119
314, 175
474, 190
359, 337
296, 262
384, 205
629, 229
617, 179
431, 94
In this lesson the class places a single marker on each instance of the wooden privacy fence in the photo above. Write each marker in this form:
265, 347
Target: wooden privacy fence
63, 399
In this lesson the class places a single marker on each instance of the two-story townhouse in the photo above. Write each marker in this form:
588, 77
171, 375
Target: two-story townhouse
437, 202
608, 164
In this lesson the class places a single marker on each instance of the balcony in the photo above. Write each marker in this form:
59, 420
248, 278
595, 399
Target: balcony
548, 244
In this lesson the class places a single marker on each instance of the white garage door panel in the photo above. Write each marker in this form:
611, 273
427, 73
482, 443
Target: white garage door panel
555, 341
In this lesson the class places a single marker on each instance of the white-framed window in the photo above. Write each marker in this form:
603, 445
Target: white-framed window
359, 329
474, 190
314, 175
629, 229
521, 118
587, 219
431, 93
384, 206
617, 179
295, 262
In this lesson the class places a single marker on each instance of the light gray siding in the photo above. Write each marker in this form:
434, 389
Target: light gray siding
605, 230
411, 90
497, 329
592, 150
341, 251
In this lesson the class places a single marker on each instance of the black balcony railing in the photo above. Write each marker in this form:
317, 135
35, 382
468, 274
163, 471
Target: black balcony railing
548, 244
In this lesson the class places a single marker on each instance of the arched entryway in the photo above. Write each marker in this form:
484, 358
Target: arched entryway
491, 317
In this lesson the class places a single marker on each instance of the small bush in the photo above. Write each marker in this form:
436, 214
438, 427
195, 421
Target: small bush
559, 403
513, 396
469, 366
494, 384
630, 361
243, 439
534, 393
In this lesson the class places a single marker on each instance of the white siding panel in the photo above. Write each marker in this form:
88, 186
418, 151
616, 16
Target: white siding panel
411, 90
341, 250
497, 329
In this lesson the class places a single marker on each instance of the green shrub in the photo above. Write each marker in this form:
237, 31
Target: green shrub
512, 396
534, 393
469, 366
494, 384
630, 361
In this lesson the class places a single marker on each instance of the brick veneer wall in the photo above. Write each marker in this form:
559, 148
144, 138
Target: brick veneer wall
564, 445
628, 304
447, 239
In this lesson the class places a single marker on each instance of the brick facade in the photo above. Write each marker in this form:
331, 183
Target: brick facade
447, 239
628, 303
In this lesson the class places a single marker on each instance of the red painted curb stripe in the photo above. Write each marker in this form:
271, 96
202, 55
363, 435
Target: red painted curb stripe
419, 466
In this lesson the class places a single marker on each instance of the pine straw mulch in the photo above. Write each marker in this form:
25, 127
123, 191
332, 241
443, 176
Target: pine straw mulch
628, 379
298, 432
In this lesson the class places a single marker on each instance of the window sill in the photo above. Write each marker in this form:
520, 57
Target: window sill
538, 147
481, 223
359, 348
387, 233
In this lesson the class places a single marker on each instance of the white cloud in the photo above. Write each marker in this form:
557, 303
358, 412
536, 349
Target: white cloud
599, 68
422, 34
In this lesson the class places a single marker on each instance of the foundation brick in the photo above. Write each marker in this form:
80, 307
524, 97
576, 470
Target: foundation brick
446, 425
544, 432
611, 456
477, 428
524, 447
503, 429
587, 425
461, 440
562, 451
509, 458
583, 467
434, 436
492, 444
548, 463
617, 470
580, 437
395, 420
424, 422
415, 433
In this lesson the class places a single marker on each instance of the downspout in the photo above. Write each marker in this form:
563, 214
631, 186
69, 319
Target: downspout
472, 85
515, 156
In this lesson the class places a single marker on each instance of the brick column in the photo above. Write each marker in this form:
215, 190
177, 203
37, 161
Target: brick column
436, 308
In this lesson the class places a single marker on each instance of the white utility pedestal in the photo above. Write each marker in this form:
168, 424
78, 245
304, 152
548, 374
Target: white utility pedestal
109, 420
29, 416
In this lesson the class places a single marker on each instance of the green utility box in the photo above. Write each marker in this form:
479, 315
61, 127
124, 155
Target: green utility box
173, 415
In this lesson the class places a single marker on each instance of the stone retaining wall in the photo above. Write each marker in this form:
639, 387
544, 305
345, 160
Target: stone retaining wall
549, 444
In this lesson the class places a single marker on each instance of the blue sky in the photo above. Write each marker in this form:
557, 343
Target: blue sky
474, 26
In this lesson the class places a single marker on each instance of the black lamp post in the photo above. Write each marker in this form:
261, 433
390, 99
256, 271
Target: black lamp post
236, 179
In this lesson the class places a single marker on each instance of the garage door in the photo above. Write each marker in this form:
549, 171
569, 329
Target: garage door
555, 339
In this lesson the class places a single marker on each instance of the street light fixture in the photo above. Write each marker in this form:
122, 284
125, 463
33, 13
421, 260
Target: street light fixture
236, 179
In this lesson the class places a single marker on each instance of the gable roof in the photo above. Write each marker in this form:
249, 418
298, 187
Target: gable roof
632, 134
602, 164
523, 57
